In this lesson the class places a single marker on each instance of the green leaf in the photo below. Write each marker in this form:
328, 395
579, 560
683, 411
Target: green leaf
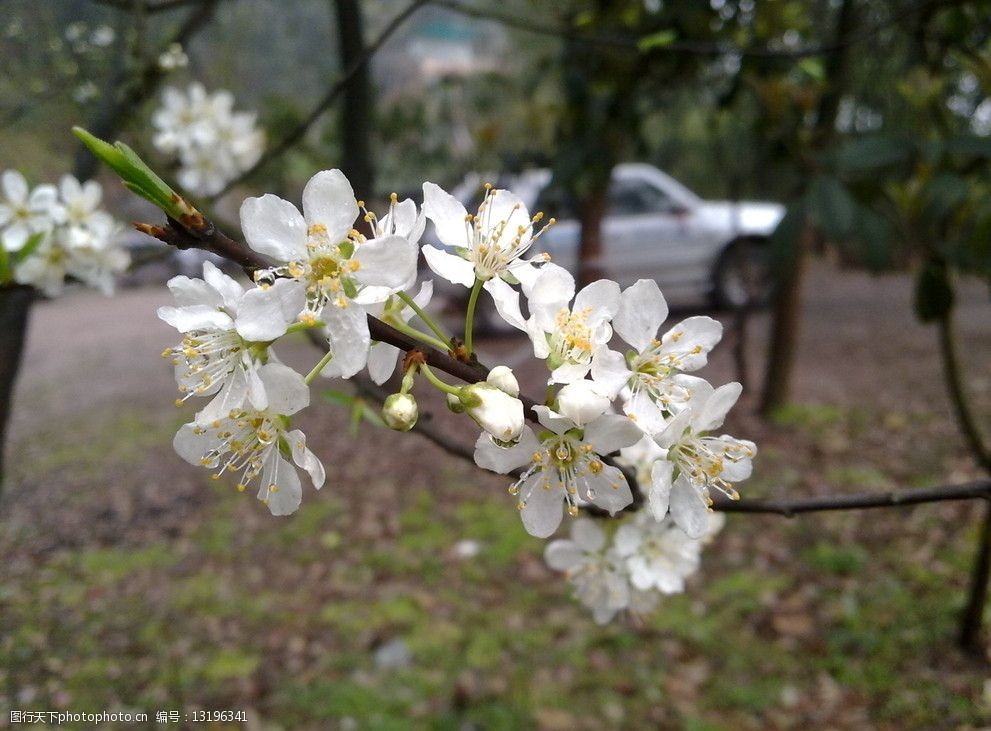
338, 397
783, 244
6, 274
831, 207
933, 293
30, 246
660, 39
865, 154
813, 68
136, 175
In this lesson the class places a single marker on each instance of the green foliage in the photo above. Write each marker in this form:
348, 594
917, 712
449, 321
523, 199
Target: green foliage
137, 176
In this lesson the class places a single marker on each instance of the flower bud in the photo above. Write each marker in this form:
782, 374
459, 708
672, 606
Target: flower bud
502, 378
399, 411
498, 413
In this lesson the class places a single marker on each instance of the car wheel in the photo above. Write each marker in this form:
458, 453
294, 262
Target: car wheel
741, 275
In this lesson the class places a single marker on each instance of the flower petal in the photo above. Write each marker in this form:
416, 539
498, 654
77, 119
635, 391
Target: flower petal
563, 555
587, 535
543, 507
389, 261
448, 216
304, 458
551, 292
274, 227
552, 420
609, 490
490, 456
609, 371
228, 288
15, 187
328, 199
195, 317
642, 309
347, 332
688, 508
285, 389
659, 494
231, 396
264, 313
713, 410
448, 266
280, 489
382, 359
507, 302
581, 402
602, 298
692, 339
611, 432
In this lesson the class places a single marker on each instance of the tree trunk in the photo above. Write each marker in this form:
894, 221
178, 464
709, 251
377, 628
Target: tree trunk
786, 317
15, 307
357, 110
785, 320
593, 209
972, 618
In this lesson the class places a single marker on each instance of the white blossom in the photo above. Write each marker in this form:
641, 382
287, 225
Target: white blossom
695, 463
598, 575
336, 269
257, 444
652, 372
212, 142
488, 245
25, 212
563, 333
221, 325
563, 466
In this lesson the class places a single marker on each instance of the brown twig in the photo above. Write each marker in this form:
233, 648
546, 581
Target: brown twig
203, 235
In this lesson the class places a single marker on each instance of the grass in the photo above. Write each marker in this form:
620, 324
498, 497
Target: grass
845, 619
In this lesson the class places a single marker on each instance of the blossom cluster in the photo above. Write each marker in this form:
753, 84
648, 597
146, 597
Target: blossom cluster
646, 558
49, 233
212, 143
641, 403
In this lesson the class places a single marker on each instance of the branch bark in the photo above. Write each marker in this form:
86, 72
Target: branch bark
206, 237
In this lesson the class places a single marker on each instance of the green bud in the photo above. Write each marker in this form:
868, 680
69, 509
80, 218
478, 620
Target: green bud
400, 411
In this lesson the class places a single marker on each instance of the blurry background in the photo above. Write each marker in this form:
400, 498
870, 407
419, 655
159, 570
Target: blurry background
406, 594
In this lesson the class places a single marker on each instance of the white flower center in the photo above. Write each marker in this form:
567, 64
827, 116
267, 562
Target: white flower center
208, 357
246, 443
703, 460
571, 341
565, 463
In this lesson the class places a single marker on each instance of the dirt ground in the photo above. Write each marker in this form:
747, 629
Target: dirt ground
132, 580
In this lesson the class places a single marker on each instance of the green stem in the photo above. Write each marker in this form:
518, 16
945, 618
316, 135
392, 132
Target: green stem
317, 368
470, 315
421, 336
427, 319
432, 377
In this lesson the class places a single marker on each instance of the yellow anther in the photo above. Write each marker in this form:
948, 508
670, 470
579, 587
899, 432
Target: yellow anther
572, 510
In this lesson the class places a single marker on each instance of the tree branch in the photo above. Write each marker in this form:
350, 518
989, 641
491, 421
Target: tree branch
293, 136
156, 7
201, 234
